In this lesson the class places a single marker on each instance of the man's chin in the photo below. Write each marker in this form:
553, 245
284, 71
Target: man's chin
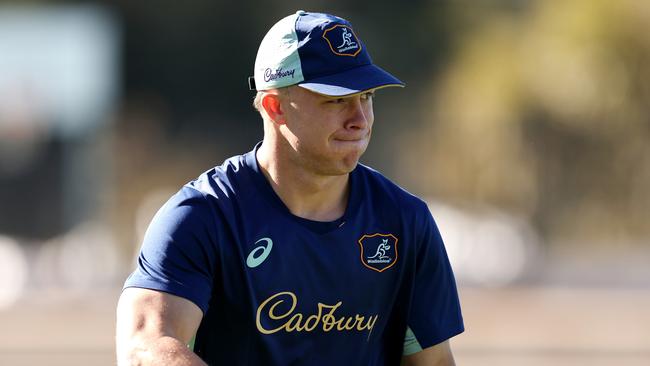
350, 162
342, 167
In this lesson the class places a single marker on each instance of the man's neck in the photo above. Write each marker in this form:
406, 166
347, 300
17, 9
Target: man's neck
306, 194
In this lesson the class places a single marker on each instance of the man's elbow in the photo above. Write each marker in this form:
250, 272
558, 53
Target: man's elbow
132, 352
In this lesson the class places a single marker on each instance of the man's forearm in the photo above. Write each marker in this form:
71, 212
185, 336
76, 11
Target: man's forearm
162, 351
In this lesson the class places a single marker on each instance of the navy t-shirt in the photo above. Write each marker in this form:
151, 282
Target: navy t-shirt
277, 289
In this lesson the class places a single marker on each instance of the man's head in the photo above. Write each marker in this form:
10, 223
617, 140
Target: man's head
315, 81
321, 134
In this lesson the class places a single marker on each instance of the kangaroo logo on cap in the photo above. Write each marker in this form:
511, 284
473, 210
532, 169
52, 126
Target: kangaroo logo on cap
342, 40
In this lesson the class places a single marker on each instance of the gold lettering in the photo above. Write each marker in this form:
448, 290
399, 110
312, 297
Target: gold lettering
271, 312
294, 323
329, 320
349, 326
326, 316
369, 325
315, 318
358, 321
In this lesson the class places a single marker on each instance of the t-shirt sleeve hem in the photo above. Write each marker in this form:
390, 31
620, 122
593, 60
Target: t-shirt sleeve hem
428, 341
173, 290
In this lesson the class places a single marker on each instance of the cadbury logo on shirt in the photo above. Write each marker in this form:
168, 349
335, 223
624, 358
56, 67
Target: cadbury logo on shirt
342, 41
270, 319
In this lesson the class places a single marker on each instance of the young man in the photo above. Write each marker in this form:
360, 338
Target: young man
295, 254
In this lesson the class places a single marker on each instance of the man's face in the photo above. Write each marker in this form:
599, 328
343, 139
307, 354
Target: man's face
327, 135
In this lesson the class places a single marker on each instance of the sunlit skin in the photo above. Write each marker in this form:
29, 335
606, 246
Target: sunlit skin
311, 143
327, 135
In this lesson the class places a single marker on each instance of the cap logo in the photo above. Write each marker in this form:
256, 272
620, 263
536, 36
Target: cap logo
342, 40
269, 75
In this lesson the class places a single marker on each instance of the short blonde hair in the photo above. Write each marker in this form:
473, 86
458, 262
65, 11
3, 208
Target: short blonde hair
257, 102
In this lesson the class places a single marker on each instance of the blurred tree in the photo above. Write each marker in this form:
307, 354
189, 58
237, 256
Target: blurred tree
546, 112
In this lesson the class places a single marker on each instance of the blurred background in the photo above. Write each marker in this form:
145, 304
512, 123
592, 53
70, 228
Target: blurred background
524, 124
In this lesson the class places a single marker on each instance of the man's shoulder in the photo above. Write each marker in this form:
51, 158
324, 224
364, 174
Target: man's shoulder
214, 187
222, 181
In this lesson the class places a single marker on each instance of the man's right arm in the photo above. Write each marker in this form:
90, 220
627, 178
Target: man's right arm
154, 328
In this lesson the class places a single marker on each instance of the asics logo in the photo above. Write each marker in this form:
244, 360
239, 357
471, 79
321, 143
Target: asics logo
260, 253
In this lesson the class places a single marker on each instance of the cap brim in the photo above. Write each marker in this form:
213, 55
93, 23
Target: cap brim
354, 81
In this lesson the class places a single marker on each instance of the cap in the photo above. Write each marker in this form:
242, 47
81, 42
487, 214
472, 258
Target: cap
319, 52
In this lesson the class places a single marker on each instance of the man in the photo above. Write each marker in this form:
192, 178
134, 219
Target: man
295, 254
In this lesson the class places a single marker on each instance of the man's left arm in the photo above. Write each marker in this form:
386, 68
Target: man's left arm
435, 314
436, 355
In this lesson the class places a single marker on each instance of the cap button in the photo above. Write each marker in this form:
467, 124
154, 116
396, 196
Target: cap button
301, 12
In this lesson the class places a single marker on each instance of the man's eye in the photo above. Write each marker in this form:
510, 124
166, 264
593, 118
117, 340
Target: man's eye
368, 95
336, 101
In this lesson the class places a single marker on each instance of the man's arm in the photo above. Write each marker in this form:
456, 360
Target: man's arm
438, 355
154, 328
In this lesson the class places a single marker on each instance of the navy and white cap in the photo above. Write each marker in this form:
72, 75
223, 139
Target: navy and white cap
319, 52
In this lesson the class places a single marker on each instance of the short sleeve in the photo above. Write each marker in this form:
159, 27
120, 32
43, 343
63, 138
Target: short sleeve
178, 252
435, 309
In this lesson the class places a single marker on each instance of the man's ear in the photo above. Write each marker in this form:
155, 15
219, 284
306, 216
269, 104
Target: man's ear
273, 108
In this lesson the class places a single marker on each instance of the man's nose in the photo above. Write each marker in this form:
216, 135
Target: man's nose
359, 114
